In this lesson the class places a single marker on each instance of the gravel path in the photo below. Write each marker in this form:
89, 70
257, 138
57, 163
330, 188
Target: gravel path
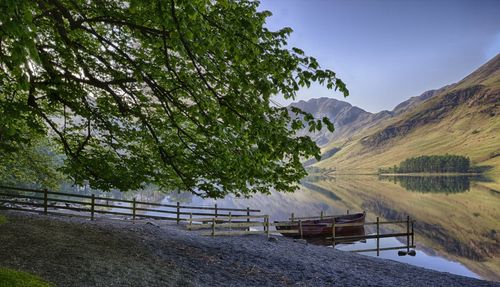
73, 251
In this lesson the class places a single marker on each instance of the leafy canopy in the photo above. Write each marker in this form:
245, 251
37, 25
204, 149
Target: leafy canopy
172, 92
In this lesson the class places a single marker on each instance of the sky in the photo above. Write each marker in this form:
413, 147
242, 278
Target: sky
387, 51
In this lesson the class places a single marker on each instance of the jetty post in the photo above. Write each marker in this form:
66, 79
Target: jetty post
300, 229
378, 236
190, 220
133, 208
45, 201
267, 221
92, 207
408, 233
412, 234
213, 227
333, 232
264, 224
178, 212
248, 217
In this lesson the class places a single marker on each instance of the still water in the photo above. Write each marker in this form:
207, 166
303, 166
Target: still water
457, 218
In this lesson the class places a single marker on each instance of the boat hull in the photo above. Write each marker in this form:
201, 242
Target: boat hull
323, 227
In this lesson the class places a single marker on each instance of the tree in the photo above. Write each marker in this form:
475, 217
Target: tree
35, 165
172, 92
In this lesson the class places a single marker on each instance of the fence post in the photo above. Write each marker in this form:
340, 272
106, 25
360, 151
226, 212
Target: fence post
412, 234
378, 236
190, 220
348, 211
333, 232
408, 233
321, 215
293, 216
230, 224
133, 209
178, 212
45, 201
267, 226
300, 229
248, 217
213, 227
92, 207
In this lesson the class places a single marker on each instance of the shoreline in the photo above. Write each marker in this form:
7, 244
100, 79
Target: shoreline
414, 174
432, 174
72, 251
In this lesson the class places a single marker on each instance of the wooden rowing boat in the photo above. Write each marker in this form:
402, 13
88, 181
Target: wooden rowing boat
323, 227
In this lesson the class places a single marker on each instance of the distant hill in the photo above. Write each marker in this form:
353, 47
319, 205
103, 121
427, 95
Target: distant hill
461, 118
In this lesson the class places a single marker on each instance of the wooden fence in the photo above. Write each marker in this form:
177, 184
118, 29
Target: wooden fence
45, 201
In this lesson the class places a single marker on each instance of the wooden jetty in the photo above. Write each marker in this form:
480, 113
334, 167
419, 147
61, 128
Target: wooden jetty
226, 226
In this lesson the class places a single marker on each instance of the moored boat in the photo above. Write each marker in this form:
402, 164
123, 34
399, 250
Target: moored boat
323, 227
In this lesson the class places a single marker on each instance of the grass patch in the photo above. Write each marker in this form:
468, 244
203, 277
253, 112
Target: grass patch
12, 278
3, 219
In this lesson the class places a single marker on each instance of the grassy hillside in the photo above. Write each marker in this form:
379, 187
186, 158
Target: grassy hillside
462, 119
13, 278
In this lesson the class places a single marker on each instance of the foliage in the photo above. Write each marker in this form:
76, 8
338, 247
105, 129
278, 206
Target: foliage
432, 163
12, 278
176, 93
33, 165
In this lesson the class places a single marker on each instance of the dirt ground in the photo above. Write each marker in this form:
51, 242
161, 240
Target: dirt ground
74, 251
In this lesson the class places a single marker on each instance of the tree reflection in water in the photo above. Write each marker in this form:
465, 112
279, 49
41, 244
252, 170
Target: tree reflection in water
432, 183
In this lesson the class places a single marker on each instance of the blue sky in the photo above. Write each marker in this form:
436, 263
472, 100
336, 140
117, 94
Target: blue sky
389, 50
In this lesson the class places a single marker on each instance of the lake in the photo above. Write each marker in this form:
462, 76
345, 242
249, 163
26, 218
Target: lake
457, 218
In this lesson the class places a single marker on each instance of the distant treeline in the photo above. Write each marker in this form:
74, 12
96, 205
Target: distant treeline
431, 163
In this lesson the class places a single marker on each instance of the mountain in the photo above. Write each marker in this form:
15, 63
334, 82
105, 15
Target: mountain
347, 119
414, 101
461, 118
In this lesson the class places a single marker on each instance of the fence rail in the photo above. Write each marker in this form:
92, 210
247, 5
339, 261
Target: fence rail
53, 202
